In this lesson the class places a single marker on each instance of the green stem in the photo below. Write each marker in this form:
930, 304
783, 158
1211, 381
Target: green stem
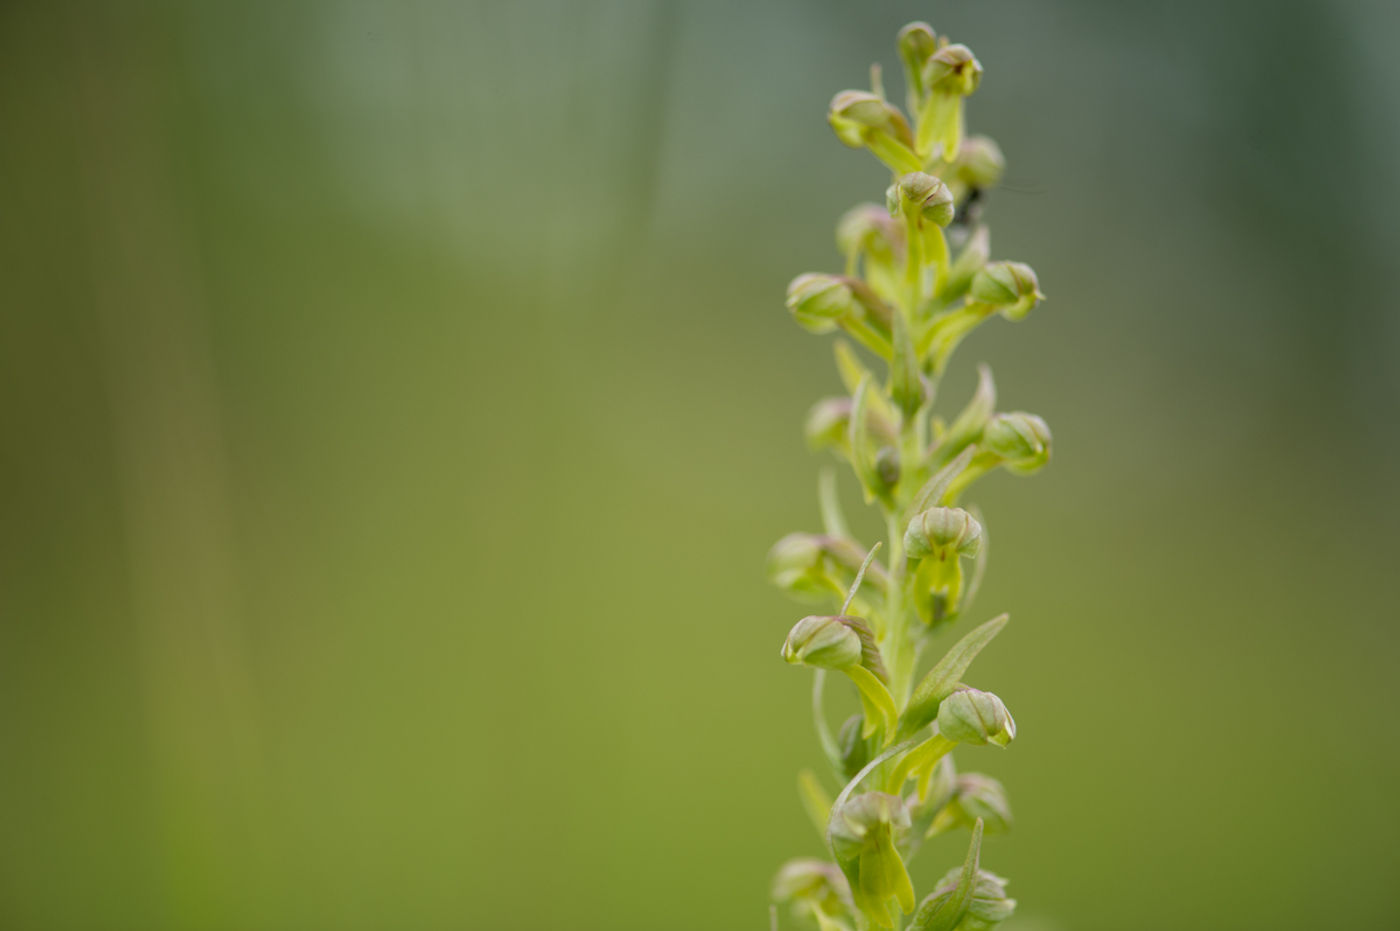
896, 649
913, 269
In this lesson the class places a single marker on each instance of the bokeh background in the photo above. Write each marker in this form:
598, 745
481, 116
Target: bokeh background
397, 402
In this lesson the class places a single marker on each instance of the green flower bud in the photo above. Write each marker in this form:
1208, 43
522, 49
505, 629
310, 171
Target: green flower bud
922, 196
971, 716
988, 907
856, 115
867, 229
819, 301
975, 796
941, 532
917, 43
865, 833
864, 821
953, 69
1010, 287
980, 163
829, 420
812, 882
797, 564
824, 642
1021, 439
937, 537
815, 566
847, 644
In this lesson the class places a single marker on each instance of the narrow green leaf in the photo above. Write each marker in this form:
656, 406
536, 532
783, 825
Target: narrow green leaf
862, 451
967, 427
860, 577
852, 370
948, 331
943, 678
939, 483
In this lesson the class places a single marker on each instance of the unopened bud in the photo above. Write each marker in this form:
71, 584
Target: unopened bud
980, 163
971, 716
868, 229
1011, 287
858, 825
942, 532
856, 116
976, 795
819, 302
797, 564
987, 908
814, 566
919, 194
936, 538
824, 642
812, 882
953, 69
916, 44
1021, 439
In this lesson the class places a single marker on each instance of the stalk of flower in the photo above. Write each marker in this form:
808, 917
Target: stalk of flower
918, 281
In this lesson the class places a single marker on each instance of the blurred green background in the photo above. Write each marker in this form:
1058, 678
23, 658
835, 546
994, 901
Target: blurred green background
397, 405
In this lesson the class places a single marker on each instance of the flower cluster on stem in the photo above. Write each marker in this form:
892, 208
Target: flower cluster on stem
918, 279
